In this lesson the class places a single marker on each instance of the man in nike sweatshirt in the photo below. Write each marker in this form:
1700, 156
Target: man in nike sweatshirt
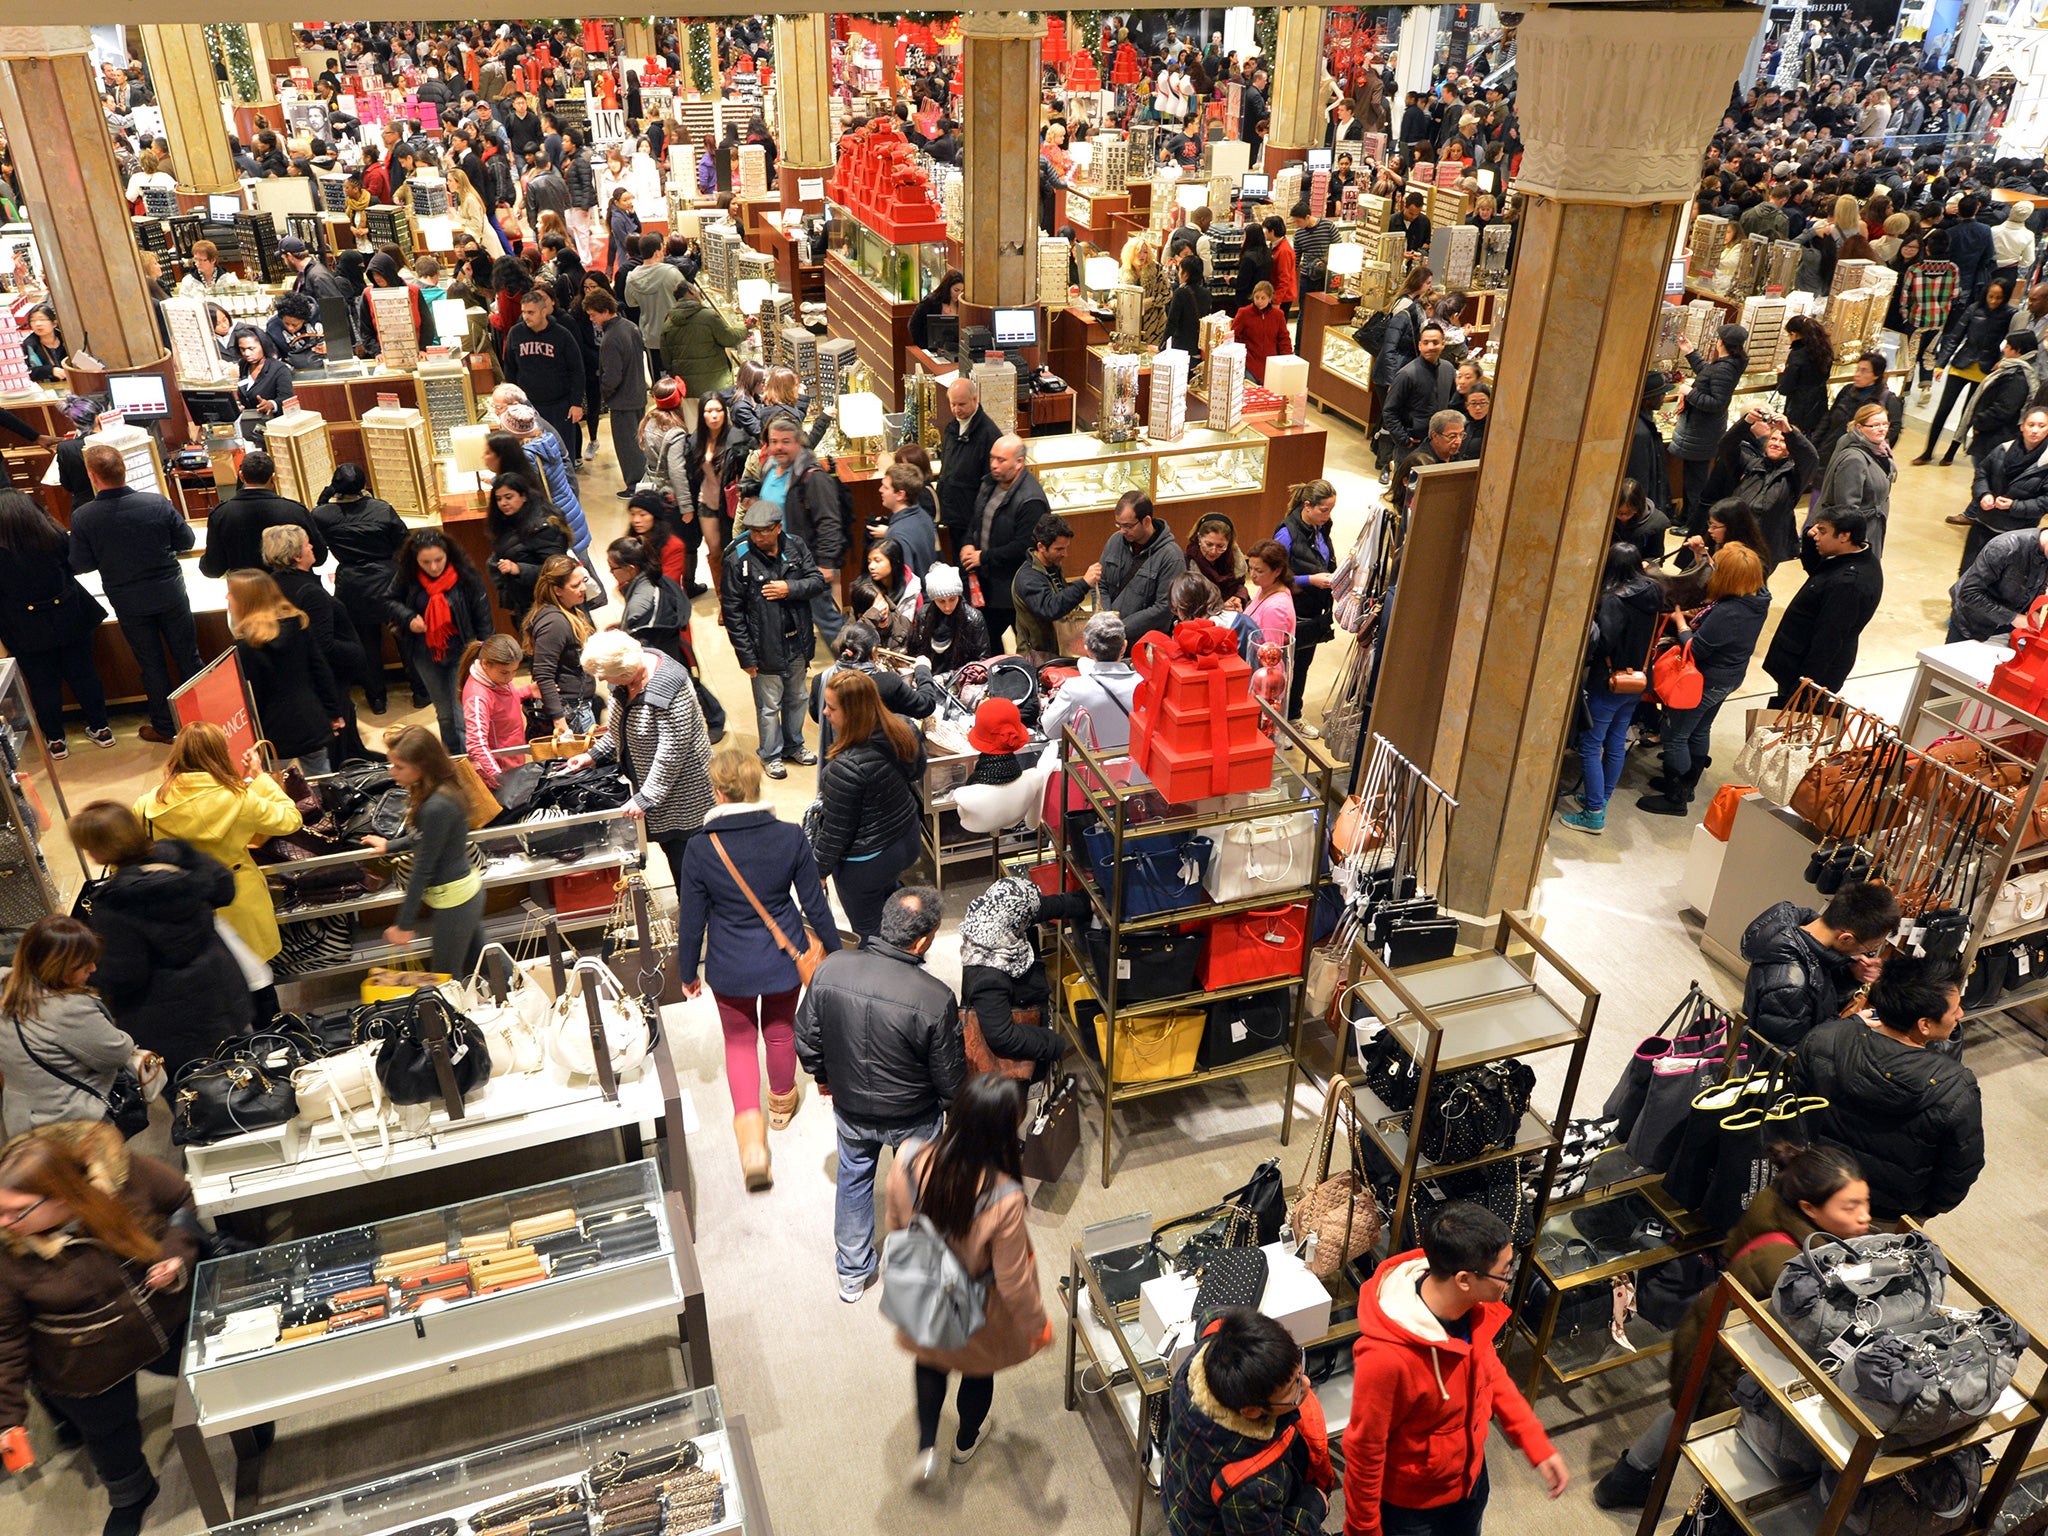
542, 358
1427, 1381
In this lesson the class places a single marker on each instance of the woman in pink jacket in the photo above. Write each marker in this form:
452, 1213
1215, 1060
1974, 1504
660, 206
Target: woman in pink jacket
493, 719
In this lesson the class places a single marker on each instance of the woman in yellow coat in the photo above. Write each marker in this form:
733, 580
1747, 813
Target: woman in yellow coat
221, 812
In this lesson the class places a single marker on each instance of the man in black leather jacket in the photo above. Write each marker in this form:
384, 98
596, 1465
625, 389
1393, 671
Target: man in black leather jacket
1804, 965
883, 1033
2000, 585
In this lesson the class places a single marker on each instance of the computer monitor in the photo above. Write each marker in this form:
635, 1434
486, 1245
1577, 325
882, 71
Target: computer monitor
1254, 184
1319, 159
1015, 328
212, 405
223, 206
138, 394
942, 335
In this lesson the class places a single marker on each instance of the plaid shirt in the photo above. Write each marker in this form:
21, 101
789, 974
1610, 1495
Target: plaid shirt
1279, 1499
1930, 292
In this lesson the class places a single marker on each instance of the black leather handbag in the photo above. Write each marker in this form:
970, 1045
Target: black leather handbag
1228, 1277
1474, 1111
1390, 1072
228, 1096
1160, 964
517, 788
600, 787
1244, 1026
405, 1062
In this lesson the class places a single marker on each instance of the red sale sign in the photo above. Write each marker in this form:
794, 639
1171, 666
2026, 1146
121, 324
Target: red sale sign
218, 694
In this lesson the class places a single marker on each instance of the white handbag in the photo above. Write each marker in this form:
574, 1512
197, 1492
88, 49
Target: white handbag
512, 1029
619, 1012
1256, 858
334, 1087
2021, 900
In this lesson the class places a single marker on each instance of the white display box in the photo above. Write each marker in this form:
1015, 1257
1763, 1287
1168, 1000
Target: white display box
1293, 1297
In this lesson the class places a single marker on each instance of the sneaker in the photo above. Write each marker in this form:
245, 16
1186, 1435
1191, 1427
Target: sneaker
804, 757
625, 495
58, 749
1626, 1486
963, 1454
775, 768
853, 1287
151, 733
1303, 728
100, 736
927, 1466
1585, 821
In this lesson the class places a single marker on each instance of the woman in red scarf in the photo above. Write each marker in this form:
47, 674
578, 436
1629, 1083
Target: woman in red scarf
438, 604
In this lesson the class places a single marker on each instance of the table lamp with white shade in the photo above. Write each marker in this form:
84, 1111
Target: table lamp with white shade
1287, 377
466, 447
1191, 195
863, 423
451, 322
1101, 273
1346, 260
751, 293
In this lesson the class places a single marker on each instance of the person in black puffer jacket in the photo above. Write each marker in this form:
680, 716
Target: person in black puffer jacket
1913, 1117
868, 829
2011, 487
1738, 602
165, 972
1803, 965
288, 556
1765, 463
1970, 348
1703, 416
365, 534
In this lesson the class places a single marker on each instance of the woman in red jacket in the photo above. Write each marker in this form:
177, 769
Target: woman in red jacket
1262, 327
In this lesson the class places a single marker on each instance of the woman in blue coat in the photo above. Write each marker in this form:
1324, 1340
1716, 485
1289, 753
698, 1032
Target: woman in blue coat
753, 977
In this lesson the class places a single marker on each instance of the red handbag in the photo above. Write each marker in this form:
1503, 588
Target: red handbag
1676, 678
1254, 946
2023, 681
587, 892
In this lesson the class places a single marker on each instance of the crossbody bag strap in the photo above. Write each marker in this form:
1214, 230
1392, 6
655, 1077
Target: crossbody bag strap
781, 942
62, 1077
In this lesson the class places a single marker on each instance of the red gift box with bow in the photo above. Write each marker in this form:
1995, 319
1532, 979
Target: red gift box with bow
1194, 724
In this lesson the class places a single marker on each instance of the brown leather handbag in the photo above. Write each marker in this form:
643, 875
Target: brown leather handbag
980, 1058
1839, 794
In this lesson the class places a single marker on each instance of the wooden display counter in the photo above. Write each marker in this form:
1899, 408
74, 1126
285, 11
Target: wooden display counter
1094, 217
1334, 392
805, 279
342, 402
878, 327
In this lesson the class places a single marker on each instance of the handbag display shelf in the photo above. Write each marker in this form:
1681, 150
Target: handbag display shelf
1638, 1226
1824, 1411
527, 854
1120, 818
516, 1110
1113, 1360
41, 874
1465, 1012
563, 1471
299, 1329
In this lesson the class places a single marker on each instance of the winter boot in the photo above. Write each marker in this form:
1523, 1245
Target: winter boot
752, 1133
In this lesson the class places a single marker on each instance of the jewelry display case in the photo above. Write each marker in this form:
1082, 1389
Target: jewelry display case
1082, 473
900, 274
1343, 356
681, 1460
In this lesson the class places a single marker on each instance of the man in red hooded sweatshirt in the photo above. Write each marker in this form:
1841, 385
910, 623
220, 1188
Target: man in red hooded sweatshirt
1428, 1380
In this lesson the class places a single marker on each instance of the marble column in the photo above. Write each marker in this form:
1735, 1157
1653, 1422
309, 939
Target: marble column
1298, 98
999, 159
638, 37
803, 106
74, 193
1616, 109
181, 69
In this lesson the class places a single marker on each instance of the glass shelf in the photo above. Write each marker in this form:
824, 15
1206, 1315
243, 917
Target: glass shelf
900, 274
1096, 487
1345, 357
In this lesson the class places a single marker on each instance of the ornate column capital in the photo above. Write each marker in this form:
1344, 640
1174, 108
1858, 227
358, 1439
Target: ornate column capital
43, 42
1617, 105
1002, 24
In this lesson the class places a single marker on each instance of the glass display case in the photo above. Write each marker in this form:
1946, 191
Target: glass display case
674, 1465
288, 1328
1345, 357
902, 274
1081, 473
40, 872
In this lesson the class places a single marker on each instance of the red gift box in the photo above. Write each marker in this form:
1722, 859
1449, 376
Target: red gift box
1194, 724
1266, 945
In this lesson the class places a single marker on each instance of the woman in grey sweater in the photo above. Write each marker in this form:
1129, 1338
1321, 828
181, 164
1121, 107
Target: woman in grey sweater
53, 1027
441, 878
555, 629
656, 735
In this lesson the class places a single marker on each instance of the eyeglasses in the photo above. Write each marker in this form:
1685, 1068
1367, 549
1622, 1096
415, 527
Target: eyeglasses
23, 1215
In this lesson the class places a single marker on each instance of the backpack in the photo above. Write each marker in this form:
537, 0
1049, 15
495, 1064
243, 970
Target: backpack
926, 1290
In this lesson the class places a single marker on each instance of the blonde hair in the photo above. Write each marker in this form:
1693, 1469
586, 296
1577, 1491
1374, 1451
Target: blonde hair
260, 608
782, 387
612, 655
281, 545
547, 589
202, 747
736, 776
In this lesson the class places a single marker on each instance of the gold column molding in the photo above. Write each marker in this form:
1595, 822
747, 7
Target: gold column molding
1002, 24
181, 69
1296, 101
638, 36
74, 193
803, 91
1616, 105
43, 42
999, 160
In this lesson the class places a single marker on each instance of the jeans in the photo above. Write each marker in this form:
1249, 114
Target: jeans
581, 716
626, 444
865, 885
1459, 1519
976, 1393
314, 764
779, 708
46, 673
1603, 745
458, 936
770, 1018
1687, 732
149, 635
853, 1212
444, 686
110, 1424
1648, 1448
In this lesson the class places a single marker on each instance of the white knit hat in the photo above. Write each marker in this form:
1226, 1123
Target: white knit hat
942, 581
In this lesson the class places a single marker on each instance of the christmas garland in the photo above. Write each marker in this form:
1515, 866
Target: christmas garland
702, 70
228, 42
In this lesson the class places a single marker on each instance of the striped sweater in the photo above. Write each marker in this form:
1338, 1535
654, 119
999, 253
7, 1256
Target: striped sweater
666, 752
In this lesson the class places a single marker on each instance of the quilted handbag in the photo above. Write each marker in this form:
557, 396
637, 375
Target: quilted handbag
1273, 855
1335, 1214
1160, 874
1882, 1280
1922, 1384
1933, 1499
1390, 1072
1228, 1277
1498, 1187
1254, 946
1472, 1112
624, 1022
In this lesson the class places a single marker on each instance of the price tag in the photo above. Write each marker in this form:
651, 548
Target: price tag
291, 403
1123, 970
106, 421
810, 189
1238, 1033
384, 400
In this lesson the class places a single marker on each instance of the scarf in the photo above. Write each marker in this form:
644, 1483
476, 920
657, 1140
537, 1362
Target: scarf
996, 768
2005, 365
439, 616
996, 930
1223, 574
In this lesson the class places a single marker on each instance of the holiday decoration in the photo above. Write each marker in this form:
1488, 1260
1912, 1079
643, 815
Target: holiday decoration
877, 179
1194, 724
702, 70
